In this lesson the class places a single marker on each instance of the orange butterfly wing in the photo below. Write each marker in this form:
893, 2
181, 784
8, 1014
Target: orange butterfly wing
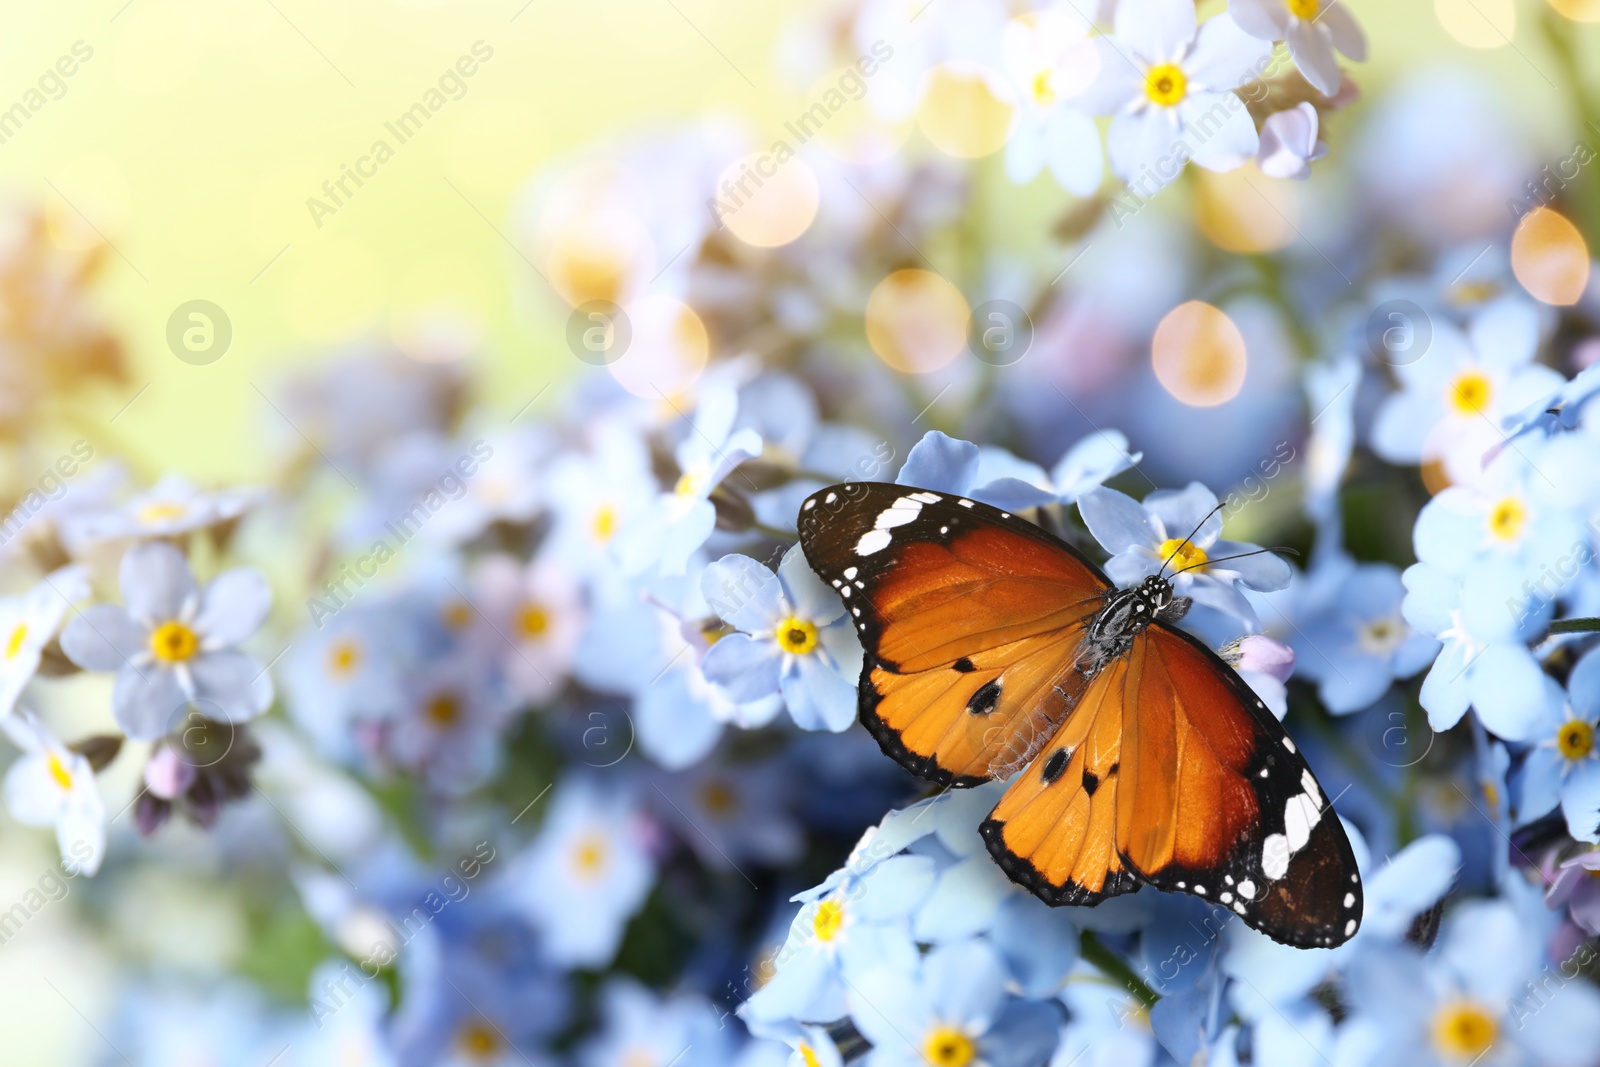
1171, 771
968, 616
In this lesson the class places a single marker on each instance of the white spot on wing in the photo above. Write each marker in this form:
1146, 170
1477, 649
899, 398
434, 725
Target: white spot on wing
964, 503
872, 541
899, 513
1349, 900
810, 504
1288, 744
830, 498
1309, 784
1349, 928
1299, 816
926, 498
1275, 856
850, 572
1247, 889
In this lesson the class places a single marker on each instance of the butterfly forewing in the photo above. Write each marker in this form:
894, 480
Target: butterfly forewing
1157, 765
968, 617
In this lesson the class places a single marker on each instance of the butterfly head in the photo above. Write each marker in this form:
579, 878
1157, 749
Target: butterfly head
1155, 601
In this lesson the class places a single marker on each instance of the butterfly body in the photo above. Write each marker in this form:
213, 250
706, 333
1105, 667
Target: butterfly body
994, 650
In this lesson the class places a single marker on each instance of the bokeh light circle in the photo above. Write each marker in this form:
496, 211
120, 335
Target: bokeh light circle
1199, 355
1245, 211
966, 110
1549, 257
766, 202
597, 255
916, 321
1478, 23
668, 349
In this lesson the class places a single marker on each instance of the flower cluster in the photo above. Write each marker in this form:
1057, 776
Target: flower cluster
523, 733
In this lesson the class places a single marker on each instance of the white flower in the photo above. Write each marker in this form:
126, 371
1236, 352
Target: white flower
172, 506
1313, 28
1050, 58
1167, 82
51, 785
1289, 143
27, 625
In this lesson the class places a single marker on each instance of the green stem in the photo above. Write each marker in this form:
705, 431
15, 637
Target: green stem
1575, 626
1114, 966
1558, 35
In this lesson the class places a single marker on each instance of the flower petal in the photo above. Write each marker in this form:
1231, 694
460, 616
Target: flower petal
156, 581
230, 685
743, 667
232, 607
148, 703
1156, 30
1226, 56
1116, 520
1220, 125
940, 463
743, 593
1312, 52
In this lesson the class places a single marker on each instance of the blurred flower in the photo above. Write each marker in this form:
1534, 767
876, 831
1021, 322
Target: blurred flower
50, 785
1576, 887
586, 873
997, 477
641, 1028
28, 624
172, 646
1145, 539
1047, 57
680, 521
449, 724
1357, 642
794, 637
172, 506
536, 615
1166, 84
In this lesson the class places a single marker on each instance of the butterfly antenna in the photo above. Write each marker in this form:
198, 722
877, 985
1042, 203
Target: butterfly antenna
1186, 540
1241, 555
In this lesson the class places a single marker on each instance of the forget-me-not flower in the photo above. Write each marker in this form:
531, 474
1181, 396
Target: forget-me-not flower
173, 644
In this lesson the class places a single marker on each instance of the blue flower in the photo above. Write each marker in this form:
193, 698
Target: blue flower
1484, 661
794, 638
1487, 995
642, 1028
1563, 763
449, 725
952, 1010
857, 919
1454, 395
681, 520
173, 645
1146, 538
1356, 642
586, 874
344, 675
997, 477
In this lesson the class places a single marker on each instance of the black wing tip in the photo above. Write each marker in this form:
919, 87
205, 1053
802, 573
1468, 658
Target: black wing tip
1022, 871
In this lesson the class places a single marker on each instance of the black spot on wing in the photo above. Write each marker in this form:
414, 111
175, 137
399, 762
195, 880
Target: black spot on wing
1054, 766
986, 698
1091, 782
965, 665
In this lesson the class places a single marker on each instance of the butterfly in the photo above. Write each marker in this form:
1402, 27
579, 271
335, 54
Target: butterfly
1137, 755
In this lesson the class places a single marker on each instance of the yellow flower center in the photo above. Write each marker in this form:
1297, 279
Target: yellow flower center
1491, 795
719, 798
443, 710
1166, 84
808, 1056
1381, 636
1507, 518
796, 636
173, 642
59, 772
828, 920
638, 1057
19, 635
533, 620
1044, 88
1467, 294
1575, 739
604, 523
456, 614
1303, 9
161, 511
1470, 392
948, 1047
590, 855
479, 1040
1464, 1029
1183, 554
343, 658
689, 484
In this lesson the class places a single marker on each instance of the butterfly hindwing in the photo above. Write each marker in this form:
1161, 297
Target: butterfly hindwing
1218, 802
968, 616
1054, 831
